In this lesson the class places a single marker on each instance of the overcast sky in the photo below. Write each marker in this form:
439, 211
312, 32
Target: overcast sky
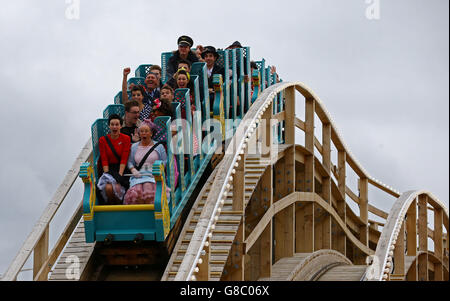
384, 81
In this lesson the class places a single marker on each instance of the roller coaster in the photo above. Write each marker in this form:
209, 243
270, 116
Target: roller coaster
252, 205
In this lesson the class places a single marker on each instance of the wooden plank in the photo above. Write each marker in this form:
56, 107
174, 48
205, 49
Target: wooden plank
235, 267
285, 220
342, 158
326, 232
290, 170
423, 238
384, 188
364, 210
300, 228
318, 146
290, 116
438, 244
318, 229
309, 174
203, 268
284, 233
239, 186
304, 222
273, 210
378, 212
411, 229
336, 140
326, 142
339, 239
320, 202
266, 252
341, 244
252, 259
326, 184
258, 243
399, 252
309, 124
266, 127
280, 116
300, 124
308, 244
41, 255
235, 262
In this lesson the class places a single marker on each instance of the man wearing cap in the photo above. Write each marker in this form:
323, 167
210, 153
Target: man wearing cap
184, 52
210, 56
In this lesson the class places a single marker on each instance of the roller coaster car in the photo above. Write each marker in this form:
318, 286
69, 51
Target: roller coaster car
123, 222
158, 222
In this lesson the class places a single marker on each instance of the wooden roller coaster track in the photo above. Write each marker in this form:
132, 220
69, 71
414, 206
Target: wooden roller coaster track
273, 211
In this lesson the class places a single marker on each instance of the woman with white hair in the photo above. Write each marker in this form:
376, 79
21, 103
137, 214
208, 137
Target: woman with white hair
142, 156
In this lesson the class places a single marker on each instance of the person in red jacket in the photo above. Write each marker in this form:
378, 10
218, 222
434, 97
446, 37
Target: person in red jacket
113, 157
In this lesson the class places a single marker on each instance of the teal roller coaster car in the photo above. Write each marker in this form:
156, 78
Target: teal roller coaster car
154, 222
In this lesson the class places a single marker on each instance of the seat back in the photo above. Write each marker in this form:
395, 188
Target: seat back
99, 129
143, 70
114, 109
261, 67
136, 81
165, 56
199, 69
118, 98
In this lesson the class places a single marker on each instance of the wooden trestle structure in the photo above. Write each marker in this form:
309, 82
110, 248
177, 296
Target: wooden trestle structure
273, 211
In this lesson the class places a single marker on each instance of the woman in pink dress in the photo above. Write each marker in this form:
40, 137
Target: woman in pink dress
142, 183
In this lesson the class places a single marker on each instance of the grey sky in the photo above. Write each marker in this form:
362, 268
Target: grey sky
385, 82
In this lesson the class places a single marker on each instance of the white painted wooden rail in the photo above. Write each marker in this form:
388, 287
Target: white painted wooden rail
388, 239
224, 178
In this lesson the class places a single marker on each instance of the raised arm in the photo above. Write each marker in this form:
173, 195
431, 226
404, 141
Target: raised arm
198, 53
126, 71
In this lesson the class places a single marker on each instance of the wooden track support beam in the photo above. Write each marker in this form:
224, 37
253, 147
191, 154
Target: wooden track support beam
266, 252
290, 116
204, 272
411, 239
304, 212
423, 238
340, 241
438, 244
309, 145
326, 186
399, 252
284, 222
266, 127
40, 256
304, 227
364, 210
236, 259
258, 260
